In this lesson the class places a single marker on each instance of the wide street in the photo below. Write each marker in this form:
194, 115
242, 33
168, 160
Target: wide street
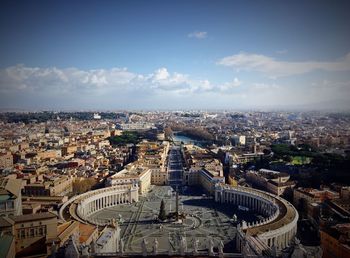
175, 168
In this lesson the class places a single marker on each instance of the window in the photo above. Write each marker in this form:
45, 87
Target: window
31, 232
10, 205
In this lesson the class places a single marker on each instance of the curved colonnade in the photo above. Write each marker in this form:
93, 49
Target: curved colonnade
279, 226
83, 205
276, 230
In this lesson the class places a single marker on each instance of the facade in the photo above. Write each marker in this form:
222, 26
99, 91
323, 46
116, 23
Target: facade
33, 229
57, 186
133, 174
139, 126
68, 149
272, 181
208, 180
190, 177
49, 154
97, 116
238, 139
6, 160
203, 177
10, 197
159, 177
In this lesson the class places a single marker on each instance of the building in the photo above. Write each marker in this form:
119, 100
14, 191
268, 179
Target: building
34, 233
335, 241
159, 177
108, 240
311, 195
49, 154
6, 160
10, 197
207, 179
97, 116
138, 126
153, 155
56, 186
203, 169
272, 181
133, 174
203, 177
68, 149
238, 139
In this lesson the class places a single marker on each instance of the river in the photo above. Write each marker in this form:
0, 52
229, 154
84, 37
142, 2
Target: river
187, 140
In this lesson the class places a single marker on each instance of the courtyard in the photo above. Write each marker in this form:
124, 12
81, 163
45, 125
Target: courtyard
205, 221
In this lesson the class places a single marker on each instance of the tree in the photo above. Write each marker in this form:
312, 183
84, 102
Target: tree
168, 133
84, 185
162, 214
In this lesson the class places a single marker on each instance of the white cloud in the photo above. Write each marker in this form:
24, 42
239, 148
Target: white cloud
34, 86
161, 74
275, 68
265, 86
229, 86
54, 80
198, 34
62, 80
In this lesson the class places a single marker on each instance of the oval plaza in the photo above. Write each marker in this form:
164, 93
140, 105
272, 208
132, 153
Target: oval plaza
272, 229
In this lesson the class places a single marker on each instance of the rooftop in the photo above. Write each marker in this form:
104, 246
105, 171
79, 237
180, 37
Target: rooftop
32, 217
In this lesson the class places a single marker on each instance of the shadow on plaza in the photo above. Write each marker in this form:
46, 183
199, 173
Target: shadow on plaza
227, 209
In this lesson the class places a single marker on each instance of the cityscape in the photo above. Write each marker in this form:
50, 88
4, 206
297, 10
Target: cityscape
174, 129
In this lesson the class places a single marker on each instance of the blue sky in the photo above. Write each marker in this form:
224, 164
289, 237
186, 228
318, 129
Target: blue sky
174, 54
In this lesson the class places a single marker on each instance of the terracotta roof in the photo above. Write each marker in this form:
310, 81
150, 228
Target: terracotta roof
86, 230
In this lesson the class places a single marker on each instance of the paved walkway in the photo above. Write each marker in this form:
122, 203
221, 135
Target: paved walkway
204, 220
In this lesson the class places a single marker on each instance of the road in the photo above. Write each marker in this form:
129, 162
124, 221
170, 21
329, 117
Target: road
175, 168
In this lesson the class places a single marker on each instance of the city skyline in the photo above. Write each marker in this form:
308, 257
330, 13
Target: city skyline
175, 55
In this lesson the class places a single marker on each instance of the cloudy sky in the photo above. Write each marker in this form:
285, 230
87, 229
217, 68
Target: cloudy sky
111, 55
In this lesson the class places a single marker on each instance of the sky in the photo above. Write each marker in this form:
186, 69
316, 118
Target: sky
111, 55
